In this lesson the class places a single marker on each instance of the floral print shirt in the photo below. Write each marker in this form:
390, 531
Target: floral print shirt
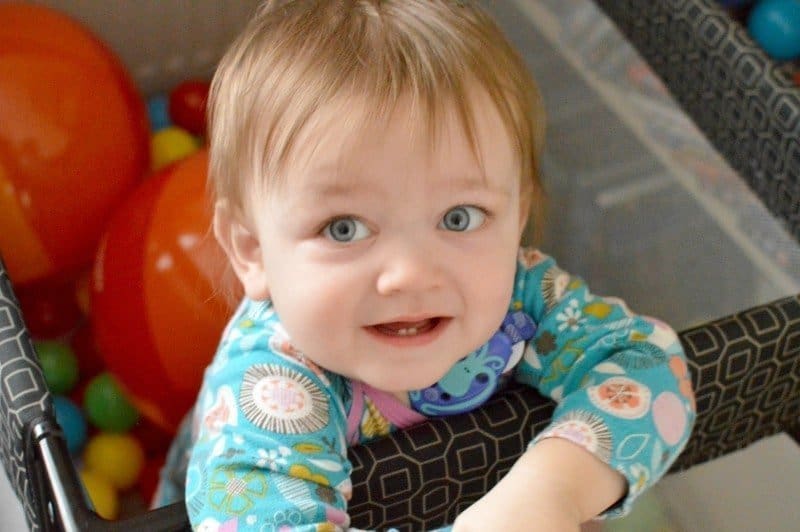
269, 435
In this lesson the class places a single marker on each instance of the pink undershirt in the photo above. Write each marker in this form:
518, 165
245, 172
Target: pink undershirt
395, 412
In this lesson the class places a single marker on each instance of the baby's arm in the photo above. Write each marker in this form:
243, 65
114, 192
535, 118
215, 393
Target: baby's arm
271, 451
625, 402
554, 486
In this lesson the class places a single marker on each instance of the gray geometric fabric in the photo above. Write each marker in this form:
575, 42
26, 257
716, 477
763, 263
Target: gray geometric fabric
746, 104
746, 371
425, 476
24, 397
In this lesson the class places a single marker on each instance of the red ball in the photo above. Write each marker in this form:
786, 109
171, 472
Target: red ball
82, 343
155, 440
187, 106
73, 141
156, 312
149, 479
49, 308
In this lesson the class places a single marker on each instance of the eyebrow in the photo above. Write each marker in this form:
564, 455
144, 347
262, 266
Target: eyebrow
329, 180
345, 187
477, 183
333, 189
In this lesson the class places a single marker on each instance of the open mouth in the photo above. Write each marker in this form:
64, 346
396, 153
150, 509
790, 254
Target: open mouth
406, 328
409, 332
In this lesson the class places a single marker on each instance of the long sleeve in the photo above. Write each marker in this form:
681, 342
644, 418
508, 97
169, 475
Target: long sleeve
620, 380
270, 451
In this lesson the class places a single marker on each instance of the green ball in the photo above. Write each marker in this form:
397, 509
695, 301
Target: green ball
59, 365
106, 406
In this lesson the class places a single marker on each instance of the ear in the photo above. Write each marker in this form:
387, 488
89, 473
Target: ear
243, 249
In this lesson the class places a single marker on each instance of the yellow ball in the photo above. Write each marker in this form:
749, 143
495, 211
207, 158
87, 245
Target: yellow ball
102, 494
171, 144
118, 458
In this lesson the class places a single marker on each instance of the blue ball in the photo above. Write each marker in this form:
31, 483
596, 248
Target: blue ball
158, 112
775, 25
72, 422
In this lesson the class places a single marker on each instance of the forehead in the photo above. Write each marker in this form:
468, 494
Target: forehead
343, 141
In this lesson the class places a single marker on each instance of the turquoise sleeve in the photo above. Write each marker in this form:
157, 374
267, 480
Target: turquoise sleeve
271, 451
620, 379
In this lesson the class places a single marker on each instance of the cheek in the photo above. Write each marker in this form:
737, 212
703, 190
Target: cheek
490, 281
487, 303
494, 286
313, 306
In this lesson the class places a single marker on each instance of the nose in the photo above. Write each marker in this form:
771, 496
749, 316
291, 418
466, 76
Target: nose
410, 267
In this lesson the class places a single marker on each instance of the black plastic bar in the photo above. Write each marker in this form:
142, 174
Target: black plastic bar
70, 507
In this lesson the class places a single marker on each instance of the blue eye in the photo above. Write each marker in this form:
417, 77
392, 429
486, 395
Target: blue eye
346, 229
463, 218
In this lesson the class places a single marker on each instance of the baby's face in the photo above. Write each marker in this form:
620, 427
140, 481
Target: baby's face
390, 255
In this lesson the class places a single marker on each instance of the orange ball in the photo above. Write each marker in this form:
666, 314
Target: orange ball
156, 308
73, 141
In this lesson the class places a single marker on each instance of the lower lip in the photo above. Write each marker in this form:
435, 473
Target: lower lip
415, 340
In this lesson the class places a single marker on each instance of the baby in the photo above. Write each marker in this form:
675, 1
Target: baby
373, 168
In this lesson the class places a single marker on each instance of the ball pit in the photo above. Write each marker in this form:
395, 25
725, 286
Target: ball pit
156, 315
73, 141
75, 151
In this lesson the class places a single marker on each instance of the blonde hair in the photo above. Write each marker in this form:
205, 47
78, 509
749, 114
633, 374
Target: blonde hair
297, 56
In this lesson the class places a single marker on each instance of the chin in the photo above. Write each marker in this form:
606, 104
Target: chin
415, 372
403, 385
422, 382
